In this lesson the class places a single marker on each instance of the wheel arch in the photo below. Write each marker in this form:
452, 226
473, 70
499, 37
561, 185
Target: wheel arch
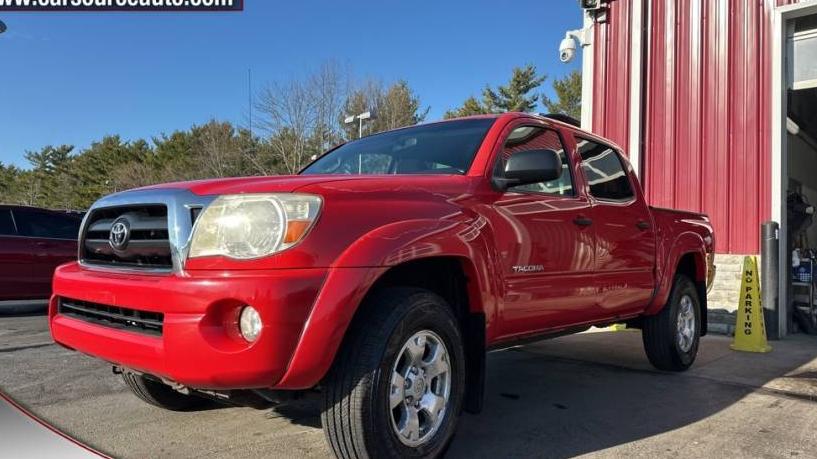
459, 244
456, 280
454, 277
688, 257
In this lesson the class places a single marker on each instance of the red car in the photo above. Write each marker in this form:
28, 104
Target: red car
381, 275
33, 242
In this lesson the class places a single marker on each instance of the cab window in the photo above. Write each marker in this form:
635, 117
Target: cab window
525, 138
604, 171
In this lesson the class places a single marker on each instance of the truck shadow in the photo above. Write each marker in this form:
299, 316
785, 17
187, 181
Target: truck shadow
585, 393
305, 412
560, 398
550, 400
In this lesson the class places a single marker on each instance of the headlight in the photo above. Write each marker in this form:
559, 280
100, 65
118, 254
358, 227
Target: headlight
246, 226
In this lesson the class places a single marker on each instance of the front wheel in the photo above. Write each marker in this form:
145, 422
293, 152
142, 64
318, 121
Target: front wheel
397, 384
671, 337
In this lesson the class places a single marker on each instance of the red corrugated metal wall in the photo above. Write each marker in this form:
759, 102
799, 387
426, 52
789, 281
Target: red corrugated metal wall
706, 122
611, 85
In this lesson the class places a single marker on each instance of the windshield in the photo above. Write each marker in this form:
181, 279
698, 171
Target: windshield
438, 148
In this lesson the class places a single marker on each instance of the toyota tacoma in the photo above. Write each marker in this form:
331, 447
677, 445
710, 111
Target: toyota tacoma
381, 275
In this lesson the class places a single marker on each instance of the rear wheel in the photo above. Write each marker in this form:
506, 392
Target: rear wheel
397, 384
671, 337
162, 395
805, 319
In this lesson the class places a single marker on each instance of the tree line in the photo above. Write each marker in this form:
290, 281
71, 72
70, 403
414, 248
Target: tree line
296, 120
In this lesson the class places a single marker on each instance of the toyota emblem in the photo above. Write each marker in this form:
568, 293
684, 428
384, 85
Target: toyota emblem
120, 234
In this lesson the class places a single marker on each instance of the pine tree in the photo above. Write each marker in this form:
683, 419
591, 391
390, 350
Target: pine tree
470, 107
569, 95
513, 97
10, 184
48, 179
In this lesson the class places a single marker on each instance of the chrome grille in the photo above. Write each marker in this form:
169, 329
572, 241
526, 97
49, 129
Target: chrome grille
163, 218
147, 245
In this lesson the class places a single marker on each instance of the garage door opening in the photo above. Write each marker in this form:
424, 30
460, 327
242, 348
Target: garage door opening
798, 149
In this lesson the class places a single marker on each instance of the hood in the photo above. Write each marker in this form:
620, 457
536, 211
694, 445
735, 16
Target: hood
291, 183
266, 184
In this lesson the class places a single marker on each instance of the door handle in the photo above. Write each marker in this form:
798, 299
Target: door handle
582, 221
643, 225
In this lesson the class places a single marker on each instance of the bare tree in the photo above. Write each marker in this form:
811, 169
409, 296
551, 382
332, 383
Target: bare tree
289, 117
32, 190
136, 174
395, 106
217, 149
330, 86
300, 116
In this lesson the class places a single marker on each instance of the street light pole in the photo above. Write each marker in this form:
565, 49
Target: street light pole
359, 117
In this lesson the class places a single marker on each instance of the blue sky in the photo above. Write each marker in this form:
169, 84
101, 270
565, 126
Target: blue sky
71, 78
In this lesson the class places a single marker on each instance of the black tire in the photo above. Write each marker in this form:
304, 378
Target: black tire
356, 415
804, 321
660, 332
161, 395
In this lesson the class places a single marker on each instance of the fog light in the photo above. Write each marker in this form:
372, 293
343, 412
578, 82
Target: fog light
250, 323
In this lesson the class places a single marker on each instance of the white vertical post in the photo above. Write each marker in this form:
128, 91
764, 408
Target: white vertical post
779, 165
588, 57
636, 73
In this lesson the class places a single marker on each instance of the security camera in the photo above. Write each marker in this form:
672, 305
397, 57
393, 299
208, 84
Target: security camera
567, 49
573, 39
590, 4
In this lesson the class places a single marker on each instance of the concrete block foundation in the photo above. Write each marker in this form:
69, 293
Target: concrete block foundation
723, 298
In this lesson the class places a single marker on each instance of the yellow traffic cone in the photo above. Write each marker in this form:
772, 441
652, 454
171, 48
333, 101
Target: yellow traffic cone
750, 330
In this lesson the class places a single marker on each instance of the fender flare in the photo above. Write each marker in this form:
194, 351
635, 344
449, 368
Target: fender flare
359, 268
686, 243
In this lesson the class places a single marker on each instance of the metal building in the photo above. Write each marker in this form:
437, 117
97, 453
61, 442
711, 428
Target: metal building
699, 93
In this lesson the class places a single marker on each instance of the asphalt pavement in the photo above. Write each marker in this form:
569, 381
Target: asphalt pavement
588, 395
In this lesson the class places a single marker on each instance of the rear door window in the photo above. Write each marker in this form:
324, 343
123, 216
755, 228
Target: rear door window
33, 223
6, 223
604, 171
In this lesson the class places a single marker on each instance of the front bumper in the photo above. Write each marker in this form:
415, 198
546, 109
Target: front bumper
199, 346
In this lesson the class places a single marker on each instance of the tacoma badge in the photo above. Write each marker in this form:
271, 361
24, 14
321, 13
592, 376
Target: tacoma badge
528, 269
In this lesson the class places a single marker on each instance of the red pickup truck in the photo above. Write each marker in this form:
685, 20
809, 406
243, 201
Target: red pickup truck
381, 274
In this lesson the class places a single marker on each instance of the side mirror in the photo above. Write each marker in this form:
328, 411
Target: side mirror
532, 166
